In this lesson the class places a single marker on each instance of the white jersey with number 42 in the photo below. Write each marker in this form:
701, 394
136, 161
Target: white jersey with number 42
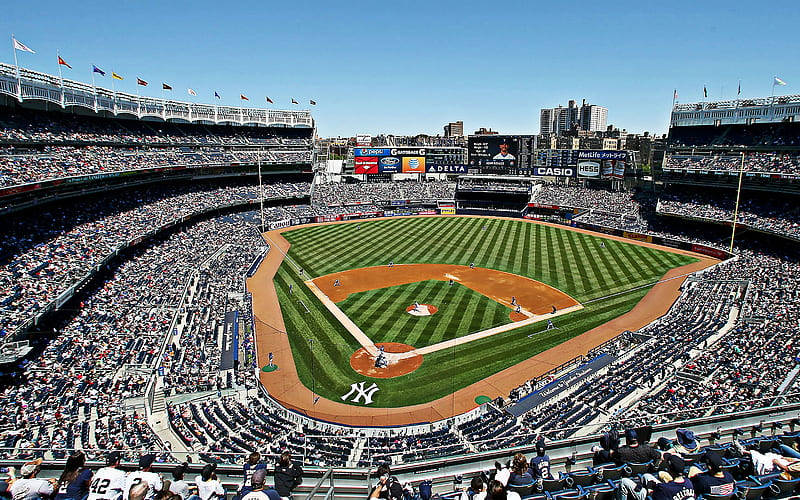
107, 484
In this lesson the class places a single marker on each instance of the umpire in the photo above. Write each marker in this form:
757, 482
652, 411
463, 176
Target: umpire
288, 475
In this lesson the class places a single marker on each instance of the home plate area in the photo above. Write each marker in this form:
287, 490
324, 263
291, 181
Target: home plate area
421, 309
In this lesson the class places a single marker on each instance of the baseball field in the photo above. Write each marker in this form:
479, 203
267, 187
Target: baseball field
492, 284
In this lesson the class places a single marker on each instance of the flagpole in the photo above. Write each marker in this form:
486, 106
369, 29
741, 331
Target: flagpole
736, 208
94, 88
772, 97
60, 78
16, 65
114, 91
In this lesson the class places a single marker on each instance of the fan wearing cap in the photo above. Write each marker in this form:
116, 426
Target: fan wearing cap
687, 443
540, 464
208, 486
178, 486
144, 475
259, 491
715, 481
635, 453
109, 482
680, 488
253, 464
29, 487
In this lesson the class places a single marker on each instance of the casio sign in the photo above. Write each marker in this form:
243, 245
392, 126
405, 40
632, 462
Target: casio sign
555, 171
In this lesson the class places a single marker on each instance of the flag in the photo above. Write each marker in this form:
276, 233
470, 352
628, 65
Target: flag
164, 86
243, 97
141, 82
116, 76
269, 100
191, 92
217, 95
21, 46
294, 102
778, 81
739, 92
313, 102
675, 94
63, 62
95, 69
705, 91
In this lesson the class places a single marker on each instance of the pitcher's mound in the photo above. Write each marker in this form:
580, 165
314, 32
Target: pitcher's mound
422, 310
399, 364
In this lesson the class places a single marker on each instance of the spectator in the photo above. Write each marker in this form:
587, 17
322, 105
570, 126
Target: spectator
208, 486
75, 480
288, 475
145, 476
178, 486
28, 486
715, 481
635, 453
258, 490
109, 482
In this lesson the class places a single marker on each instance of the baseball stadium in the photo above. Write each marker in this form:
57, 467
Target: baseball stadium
208, 300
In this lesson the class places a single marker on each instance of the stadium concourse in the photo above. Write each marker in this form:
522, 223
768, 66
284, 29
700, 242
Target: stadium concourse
154, 281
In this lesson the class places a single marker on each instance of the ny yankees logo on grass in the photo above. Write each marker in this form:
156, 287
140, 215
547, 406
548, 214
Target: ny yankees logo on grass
357, 388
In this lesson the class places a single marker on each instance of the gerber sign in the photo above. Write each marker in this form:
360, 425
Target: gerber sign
554, 171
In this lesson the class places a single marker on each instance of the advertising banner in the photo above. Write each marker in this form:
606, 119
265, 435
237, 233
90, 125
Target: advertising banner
637, 236
414, 164
372, 152
366, 165
588, 169
363, 140
448, 210
389, 164
554, 171
446, 169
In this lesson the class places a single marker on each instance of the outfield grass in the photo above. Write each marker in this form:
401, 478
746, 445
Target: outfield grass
567, 260
381, 313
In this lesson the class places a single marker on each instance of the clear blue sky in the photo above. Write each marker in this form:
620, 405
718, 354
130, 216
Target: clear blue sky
409, 67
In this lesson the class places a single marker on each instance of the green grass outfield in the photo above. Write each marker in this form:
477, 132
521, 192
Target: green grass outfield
567, 260
381, 313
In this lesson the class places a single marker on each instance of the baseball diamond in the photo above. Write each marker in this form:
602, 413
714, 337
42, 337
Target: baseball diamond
602, 282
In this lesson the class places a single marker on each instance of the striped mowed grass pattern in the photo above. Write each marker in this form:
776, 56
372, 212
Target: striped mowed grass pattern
567, 260
381, 313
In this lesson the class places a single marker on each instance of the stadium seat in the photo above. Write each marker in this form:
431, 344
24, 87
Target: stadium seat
614, 473
584, 478
523, 489
785, 487
602, 491
751, 489
640, 468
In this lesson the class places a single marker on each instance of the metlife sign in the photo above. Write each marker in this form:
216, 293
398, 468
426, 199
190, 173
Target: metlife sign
588, 154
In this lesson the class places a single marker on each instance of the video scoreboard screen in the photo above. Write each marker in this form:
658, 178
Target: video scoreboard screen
518, 155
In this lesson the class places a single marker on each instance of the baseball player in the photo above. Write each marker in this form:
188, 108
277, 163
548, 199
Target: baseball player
450, 282
291, 287
519, 308
550, 324
472, 265
513, 300
602, 244
337, 283
416, 305
554, 310
391, 263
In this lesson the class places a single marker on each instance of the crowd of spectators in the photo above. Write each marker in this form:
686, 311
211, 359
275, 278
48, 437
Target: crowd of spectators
620, 202
343, 194
43, 254
774, 215
783, 163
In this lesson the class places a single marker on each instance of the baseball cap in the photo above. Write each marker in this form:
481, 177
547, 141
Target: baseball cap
686, 438
631, 436
30, 467
675, 463
146, 460
209, 469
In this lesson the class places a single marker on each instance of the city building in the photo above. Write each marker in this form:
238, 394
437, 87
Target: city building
562, 120
454, 129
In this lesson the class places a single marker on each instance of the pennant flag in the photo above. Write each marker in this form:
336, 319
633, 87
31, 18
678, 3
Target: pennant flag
217, 95
63, 62
313, 102
243, 97
21, 46
739, 92
116, 76
95, 69
705, 91
778, 81
294, 102
191, 92
269, 100
164, 86
141, 82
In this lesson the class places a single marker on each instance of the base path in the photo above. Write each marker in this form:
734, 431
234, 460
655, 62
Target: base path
399, 362
284, 384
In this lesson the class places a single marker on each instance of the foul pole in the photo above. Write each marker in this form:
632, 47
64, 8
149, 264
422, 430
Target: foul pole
736, 208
